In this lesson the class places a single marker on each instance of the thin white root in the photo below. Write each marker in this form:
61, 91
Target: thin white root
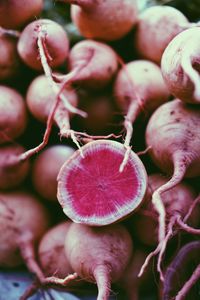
187, 228
125, 159
47, 70
75, 140
148, 258
159, 206
188, 285
160, 249
103, 281
196, 201
164, 245
70, 107
13, 33
59, 281
72, 134
143, 152
129, 131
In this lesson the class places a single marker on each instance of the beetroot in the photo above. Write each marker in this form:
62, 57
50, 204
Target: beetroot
139, 89
51, 252
13, 118
12, 175
40, 101
23, 221
9, 59
46, 168
99, 255
93, 63
180, 66
47, 107
171, 133
104, 20
48, 36
157, 26
16, 13
110, 195
177, 201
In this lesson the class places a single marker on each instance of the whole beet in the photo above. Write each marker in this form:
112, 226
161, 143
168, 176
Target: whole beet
99, 255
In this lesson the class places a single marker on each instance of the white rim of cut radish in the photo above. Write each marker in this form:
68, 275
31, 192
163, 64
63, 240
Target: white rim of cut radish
94, 173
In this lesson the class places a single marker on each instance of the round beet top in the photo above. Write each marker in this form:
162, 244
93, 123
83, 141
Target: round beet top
91, 189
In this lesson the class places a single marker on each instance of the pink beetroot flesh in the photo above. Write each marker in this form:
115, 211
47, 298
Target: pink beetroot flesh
91, 189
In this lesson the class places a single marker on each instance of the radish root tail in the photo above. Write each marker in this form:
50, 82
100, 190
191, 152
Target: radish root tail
9, 32
164, 245
148, 258
102, 277
27, 251
187, 228
188, 285
160, 208
181, 163
133, 111
195, 202
58, 281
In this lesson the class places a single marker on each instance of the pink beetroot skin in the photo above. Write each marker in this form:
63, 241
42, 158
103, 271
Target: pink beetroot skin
173, 135
93, 63
139, 89
9, 59
106, 20
91, 189
16, 13
180, 66
157, 26
12, 174
13, 119
45, 170
51, 36
99, 254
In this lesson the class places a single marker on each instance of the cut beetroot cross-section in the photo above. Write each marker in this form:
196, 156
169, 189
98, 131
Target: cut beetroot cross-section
93, 191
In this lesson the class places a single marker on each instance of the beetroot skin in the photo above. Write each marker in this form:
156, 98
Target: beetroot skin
51, 251
180, 66
99, 254
157, 26
91, 189
106, 20
53, 36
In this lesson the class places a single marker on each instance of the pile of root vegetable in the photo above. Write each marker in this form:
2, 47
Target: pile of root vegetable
100, 146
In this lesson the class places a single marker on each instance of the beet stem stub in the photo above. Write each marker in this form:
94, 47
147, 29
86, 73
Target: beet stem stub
92, 191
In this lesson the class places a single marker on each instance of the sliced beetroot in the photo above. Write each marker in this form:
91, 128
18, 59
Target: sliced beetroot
91, 189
